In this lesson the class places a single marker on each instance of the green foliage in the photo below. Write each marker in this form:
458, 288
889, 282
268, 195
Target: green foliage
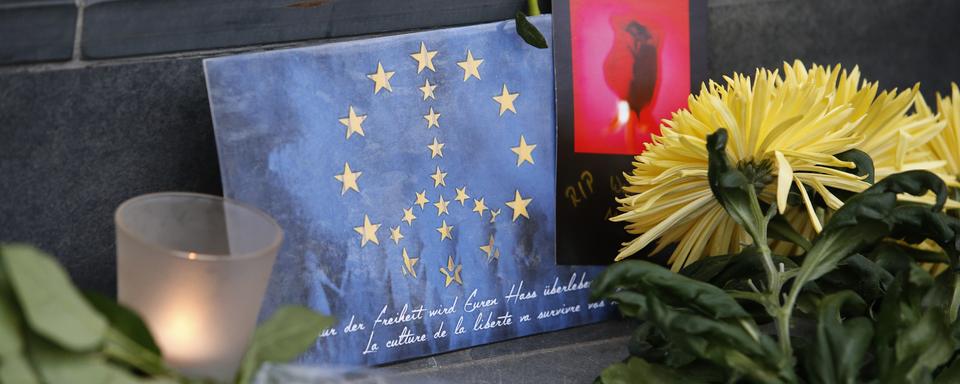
529, 32
51, 306
855, 307
637, 370
50, 333
284, 336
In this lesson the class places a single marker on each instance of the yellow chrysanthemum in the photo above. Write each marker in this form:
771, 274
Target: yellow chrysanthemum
895, 138
790, 127
945, 147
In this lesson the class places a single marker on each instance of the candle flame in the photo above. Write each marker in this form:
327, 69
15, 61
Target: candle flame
192, 255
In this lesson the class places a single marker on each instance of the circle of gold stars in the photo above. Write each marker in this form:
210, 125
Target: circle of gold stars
353, 122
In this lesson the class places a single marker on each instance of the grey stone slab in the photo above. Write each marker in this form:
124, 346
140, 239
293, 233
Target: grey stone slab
896, 42
74, 144
517, 348
36, 30
140, 27
576, 355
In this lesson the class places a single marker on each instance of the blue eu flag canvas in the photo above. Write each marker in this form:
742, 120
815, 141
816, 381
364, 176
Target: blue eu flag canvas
414, 177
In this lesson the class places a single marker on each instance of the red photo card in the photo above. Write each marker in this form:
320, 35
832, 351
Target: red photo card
621, 67
631, 68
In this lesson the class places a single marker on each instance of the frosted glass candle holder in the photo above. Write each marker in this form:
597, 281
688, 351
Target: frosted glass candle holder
195, 267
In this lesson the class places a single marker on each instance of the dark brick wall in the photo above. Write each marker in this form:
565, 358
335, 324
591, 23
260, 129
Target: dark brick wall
127, 114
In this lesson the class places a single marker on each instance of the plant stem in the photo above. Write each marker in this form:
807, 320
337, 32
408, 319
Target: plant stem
534, 7
780, 312
952, 311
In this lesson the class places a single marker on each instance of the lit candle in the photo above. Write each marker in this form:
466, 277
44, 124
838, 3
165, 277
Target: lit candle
195, 267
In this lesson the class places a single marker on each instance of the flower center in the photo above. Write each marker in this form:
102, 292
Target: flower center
759, 173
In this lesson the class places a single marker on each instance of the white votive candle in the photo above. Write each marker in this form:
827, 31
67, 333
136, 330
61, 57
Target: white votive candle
195, 267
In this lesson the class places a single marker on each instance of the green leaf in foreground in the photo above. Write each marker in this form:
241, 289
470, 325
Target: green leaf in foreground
638, 371
51, 305
674, 289
58, 366
287, 334
124, 320
128, 341
839, 347
14, 368
529, 32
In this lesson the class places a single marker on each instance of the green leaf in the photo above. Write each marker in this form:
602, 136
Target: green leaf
781, 229
726, 343
950, 374
707, 268
859, 274
674, 289
14, 368
287, 334
863, 162
869, 216
57, 366
840, 347
928, 342
730, 186
121, 349
51, 305
896, 258
696, 317
529, 32
734, 270
638, 371
124, 321
912, 340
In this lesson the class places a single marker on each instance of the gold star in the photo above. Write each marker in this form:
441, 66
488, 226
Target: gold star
479, 206
494, 214
433, 119
441, 206
446, 231
380, 79
506, 100
452, 272
422, 198
524, 152
368, 232
470, 66
395, 234
408, 263
353, 122
427, 89
349, 179
436, 149
519, 206
438, 178
492, 253
408, 215
424, 58
462, 195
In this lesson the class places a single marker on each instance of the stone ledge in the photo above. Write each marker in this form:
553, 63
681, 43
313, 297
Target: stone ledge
575, 355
